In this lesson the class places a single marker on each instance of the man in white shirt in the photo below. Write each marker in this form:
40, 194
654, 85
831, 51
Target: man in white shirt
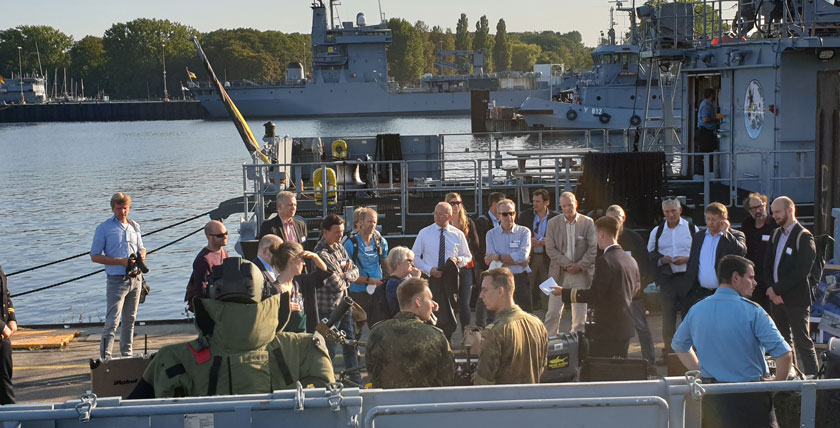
571, 245
434, 246
669, 246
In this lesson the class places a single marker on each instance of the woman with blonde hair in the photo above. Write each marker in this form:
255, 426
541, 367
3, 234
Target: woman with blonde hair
467, 275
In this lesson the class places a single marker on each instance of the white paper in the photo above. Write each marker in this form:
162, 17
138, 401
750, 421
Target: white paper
371, 289
495, 264
545, 287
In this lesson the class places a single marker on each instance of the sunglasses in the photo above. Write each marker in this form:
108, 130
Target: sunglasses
219, 235
757, 207
454, 203
508, 214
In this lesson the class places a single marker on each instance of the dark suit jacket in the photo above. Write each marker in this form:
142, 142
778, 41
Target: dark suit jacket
732, 242
794, 266
614, 283
275, 226
526, 218
483, 224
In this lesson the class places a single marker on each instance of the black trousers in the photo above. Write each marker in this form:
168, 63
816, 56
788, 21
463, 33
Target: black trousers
794, 321
522, 292
609, 348
748, 410
705, 141
7, 394
673, 302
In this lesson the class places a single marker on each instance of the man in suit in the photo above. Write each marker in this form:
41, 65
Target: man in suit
263, 262
614, 283
707, 248
571, 246
536, 220
790, 257
284, 225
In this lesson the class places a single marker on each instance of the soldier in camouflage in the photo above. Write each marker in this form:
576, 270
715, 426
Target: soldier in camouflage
515, 347
406, 352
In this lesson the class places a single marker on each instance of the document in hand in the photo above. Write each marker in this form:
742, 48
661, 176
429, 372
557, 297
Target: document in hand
546, 285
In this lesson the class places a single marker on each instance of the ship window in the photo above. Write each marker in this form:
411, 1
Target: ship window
632, 97
634, 59
654, 97
598, 98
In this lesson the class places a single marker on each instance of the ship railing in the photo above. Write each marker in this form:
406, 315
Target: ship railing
731, 169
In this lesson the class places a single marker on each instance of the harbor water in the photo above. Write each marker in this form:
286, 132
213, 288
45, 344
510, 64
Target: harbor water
56, 180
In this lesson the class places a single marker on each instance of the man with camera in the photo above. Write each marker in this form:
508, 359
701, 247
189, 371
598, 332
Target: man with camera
118, 245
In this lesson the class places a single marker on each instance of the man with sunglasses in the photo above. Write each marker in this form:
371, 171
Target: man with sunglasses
211, 255
758, 227
510, 244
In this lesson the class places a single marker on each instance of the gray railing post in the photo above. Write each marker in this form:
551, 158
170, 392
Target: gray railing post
808, 406
706, 187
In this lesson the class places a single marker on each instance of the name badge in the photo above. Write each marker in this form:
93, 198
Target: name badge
765, 238
629, 254
369, 248
580, 238
789, 251
514, 244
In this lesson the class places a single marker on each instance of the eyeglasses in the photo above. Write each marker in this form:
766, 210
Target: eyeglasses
508, 214
757, 207
454, 203
219, 235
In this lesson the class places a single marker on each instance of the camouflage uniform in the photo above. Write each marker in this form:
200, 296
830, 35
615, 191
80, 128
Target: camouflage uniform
405, 352
515, 349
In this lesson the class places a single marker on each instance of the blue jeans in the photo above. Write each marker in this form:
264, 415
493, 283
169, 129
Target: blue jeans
642, 329
351, 361
464, 293
122, 295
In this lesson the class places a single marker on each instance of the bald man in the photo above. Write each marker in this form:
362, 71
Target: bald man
209, 256
263, 262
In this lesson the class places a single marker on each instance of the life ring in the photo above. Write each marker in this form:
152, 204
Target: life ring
571, 114
318, 185
339, 150
604, 118
635, 120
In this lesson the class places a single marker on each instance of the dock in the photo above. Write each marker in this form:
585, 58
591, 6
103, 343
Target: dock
98, 111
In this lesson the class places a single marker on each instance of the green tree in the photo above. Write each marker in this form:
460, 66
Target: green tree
259, 56
524, 56
87, 61
135, 52
52, 44
482, 40
405, 54
502, 48
463, 41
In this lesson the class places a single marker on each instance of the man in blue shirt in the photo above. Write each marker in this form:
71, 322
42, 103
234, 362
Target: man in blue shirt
510, 244
731, 335
705, 140
113, 242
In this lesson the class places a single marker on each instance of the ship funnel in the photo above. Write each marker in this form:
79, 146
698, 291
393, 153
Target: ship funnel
360, 19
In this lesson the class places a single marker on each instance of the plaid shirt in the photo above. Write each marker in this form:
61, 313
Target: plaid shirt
334, 288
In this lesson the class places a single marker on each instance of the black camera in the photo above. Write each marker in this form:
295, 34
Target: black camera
135, 265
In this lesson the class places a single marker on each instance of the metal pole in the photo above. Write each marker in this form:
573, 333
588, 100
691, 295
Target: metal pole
165, 92
20, 75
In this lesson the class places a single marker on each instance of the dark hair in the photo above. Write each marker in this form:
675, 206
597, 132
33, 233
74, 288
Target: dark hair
730, 264
708, 92
759, 196
282, 254
495, 197
409, 289
330, 221
500, 277
608, 224
542, 193
718, 209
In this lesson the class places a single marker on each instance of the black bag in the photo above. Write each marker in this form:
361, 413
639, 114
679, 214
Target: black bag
144, 289
379, 310
599, 369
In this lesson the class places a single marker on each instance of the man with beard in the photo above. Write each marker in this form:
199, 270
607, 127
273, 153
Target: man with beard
757, 228
791, 255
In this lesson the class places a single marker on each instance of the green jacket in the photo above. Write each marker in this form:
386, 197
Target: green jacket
239, 351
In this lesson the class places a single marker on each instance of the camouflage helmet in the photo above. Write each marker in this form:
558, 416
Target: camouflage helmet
235, 280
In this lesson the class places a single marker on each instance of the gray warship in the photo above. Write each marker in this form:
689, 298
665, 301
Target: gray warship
350, 78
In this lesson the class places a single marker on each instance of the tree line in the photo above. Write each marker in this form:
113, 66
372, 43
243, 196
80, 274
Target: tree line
127, 61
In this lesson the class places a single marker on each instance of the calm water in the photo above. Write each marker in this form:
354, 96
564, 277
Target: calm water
57, 179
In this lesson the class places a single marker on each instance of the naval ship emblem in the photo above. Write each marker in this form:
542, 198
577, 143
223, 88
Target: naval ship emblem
754, 109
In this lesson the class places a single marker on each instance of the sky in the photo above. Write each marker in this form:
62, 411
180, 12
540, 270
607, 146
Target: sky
80, 18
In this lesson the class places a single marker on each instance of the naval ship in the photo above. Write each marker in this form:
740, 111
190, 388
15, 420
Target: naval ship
350, 78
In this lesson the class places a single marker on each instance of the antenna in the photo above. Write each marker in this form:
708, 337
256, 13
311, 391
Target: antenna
381, 14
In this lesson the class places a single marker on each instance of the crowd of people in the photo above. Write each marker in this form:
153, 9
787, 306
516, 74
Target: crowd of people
413, 300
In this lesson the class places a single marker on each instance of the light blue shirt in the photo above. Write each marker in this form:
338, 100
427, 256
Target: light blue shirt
516, 244
707, 109
118, 240
493, 219
730, 334
367, 258
706, 274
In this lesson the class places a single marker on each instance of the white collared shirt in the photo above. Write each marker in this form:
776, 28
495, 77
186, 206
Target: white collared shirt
673, 243
269, 270
426, 247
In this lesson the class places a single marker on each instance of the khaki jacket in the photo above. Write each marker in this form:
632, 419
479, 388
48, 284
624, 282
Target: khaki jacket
586, 248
